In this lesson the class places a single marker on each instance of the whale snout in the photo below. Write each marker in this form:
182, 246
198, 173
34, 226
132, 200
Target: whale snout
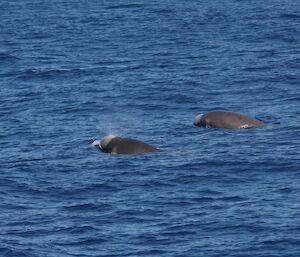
96, 142
197, 120
92, 141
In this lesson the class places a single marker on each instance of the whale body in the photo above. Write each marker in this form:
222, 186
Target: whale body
123, 145
227, 120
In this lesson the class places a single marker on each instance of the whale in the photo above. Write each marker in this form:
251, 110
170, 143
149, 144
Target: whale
226, 120
123, 145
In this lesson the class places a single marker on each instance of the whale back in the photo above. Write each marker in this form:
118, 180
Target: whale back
225, 119
119, 145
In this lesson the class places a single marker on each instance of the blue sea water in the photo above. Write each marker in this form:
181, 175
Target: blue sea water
73, 71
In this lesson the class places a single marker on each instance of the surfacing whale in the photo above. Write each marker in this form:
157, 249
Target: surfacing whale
227, 120
123, 145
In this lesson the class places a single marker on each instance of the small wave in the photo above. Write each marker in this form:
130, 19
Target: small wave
75, 229
278, 242
36, 35
163, 11
43, 74
6, 252
33, 73
125, 6
82, 207
84, 241
289, 16
7, 57
232, 199
257, 69
27, 160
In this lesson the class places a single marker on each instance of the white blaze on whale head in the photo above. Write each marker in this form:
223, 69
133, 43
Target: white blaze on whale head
96, 143
197, 119
105, 141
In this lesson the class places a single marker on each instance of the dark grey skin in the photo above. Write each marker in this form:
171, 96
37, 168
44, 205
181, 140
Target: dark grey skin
227, 120
120, 145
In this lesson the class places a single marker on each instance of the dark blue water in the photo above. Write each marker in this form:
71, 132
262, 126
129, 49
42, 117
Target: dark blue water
72, 71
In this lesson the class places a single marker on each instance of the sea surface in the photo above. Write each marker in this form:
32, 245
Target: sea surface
72, 71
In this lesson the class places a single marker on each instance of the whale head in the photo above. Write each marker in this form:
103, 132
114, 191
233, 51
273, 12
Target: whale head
103, 144
197, 120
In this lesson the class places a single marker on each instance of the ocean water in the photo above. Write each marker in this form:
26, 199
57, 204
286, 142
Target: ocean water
73, 71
